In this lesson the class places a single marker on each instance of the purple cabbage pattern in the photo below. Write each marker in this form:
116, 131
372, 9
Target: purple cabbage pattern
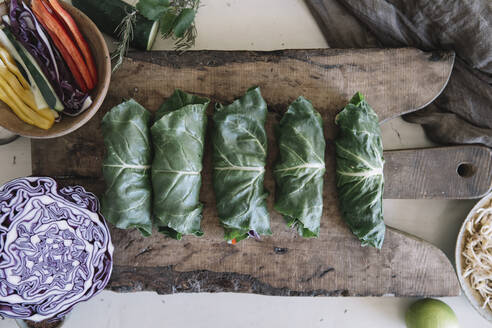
55, 248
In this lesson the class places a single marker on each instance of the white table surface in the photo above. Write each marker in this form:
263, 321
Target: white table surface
269, 25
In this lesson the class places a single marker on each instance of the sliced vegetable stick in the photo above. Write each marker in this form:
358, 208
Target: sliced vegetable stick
66, 46
9, 61
65, 17
6, 99
37, 119
39, 81
76, 74
25, 94
47, 113
14, 97
11, 48
37, 6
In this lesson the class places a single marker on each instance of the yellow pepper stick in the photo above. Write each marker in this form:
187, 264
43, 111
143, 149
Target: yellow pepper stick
6, 99
19, 106
12, 67
38, 120
47, 114
22, 99
28, 98
25, 94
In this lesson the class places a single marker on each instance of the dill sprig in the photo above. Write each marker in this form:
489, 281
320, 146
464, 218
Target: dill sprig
125, 34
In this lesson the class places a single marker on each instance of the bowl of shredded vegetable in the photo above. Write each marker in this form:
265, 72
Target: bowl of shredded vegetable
473, 257
55, 68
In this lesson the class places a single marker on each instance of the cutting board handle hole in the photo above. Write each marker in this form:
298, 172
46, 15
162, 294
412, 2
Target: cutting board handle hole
466, 170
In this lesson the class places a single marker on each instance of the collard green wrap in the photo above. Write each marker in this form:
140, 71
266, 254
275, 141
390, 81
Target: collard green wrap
240, 151
300, 168
127, 201
178, 136
360, 181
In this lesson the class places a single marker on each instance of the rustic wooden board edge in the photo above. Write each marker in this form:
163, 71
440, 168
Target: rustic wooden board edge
213, 58
451, 55
167, 280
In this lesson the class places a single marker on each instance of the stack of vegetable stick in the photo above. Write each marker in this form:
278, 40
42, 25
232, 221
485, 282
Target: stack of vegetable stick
47, 66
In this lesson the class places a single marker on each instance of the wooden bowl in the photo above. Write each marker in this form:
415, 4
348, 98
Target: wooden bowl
472, 295
68, 124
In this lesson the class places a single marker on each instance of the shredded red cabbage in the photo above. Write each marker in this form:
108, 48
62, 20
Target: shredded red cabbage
253, 234
55, 248
34, 38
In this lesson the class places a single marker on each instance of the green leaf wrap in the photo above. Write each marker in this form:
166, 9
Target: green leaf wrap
126, 167
360, 180
300, 169
178, 136
240, 151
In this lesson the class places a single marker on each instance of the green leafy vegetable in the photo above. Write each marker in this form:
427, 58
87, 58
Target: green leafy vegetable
183, 22
127, 201
240, 150
167, 23
176, 19
300, 169
138, 25
178, 137
360, 181
152, 9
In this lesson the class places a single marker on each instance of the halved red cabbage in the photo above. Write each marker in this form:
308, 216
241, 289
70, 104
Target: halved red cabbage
55, 248
34, 38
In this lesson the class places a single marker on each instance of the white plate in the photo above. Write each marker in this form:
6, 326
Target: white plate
472, 295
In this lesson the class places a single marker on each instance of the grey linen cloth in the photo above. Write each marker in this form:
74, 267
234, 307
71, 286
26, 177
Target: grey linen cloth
463, 112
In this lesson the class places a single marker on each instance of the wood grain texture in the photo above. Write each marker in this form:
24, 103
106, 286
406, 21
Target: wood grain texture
395, 81
459, 172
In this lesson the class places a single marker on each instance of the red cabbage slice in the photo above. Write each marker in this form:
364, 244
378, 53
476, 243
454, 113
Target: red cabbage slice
34, 38
55, 248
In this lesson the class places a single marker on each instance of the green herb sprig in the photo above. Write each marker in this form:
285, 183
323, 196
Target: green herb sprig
176, 20
125, 33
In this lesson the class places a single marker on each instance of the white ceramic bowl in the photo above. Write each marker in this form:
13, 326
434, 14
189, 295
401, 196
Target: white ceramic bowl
472, 295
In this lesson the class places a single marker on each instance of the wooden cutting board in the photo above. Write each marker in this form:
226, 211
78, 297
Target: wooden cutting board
394, 81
